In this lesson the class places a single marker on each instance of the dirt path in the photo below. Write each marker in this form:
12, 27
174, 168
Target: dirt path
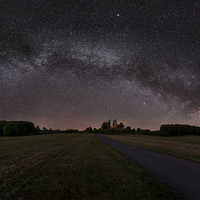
182, 175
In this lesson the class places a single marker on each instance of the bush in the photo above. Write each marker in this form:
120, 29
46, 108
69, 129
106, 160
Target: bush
71, 131
10, 129
160, 133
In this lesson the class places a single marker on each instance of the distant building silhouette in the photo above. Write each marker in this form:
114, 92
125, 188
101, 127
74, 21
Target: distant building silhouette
108, 125
114, 124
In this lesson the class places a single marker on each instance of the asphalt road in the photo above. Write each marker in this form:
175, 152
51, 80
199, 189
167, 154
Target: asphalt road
181, 175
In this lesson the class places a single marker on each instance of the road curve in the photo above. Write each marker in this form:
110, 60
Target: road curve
181, 175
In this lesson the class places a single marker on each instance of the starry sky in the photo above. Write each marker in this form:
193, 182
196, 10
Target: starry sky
71, 64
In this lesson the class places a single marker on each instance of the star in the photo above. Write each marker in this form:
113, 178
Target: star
78, 70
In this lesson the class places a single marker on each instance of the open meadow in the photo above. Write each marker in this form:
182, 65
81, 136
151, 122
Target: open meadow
187, 147
71, 166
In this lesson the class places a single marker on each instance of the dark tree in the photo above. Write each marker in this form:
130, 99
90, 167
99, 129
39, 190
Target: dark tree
121, 125
128, 128
89, 129
2, 124
38, 128
10, 129
177, 129
25, 128
104, 125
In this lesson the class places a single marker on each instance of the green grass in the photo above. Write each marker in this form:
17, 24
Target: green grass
71, 166
187, 147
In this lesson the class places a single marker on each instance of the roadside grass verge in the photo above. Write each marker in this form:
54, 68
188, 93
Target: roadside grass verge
187, 147
71, 166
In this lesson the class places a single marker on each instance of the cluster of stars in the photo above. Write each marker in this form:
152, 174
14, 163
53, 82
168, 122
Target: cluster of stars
76, 64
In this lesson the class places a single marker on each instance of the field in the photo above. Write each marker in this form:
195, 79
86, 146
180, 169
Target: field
187, 147
71, 166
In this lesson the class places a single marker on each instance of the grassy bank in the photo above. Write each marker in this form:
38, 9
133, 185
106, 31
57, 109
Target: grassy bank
71, 166
187, 147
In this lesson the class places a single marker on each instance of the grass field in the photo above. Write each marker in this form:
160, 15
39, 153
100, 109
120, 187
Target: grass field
187, 147
71, 166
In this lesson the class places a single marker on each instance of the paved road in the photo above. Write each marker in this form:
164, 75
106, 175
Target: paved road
181, 175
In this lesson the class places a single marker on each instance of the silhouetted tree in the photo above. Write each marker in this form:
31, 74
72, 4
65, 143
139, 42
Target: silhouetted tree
128, 128
121, 125
139, 130
37, 128
104, 125
2, 124
25, 128
177, 129
89, 129
10, 129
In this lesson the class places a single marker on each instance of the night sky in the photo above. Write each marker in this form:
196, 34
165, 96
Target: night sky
77, 63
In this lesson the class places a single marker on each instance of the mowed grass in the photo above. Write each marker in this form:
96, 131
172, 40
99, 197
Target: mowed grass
187, 147
71, 166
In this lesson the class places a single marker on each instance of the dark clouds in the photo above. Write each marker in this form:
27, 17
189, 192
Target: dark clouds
74, 64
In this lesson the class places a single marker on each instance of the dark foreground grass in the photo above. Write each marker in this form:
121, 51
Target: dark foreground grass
187, 147
71, 166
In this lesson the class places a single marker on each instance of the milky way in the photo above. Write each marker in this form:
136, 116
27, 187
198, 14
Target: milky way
75, 64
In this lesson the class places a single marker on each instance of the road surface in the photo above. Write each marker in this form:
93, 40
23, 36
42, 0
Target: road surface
181, 175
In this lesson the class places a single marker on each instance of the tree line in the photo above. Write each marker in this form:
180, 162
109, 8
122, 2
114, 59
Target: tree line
165, 130
22, 128
178, 130
16, 128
